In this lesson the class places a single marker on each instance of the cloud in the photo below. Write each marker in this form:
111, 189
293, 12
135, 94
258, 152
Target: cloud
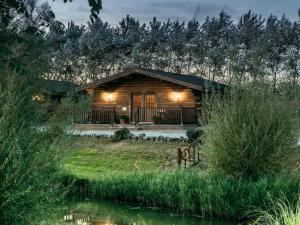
206, 8
184, 10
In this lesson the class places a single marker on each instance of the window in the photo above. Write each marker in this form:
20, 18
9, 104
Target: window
150, 100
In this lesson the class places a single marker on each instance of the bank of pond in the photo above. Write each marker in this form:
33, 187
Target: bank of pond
187, 192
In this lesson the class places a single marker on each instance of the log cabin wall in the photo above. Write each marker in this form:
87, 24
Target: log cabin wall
118, 93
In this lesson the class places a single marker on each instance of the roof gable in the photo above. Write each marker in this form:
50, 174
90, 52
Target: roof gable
191, 81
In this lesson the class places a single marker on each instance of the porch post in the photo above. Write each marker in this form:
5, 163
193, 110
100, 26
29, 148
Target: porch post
181, 115
112, 117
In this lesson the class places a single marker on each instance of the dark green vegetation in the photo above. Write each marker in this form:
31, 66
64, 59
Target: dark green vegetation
194, 134
251, 131
121, 134
188, 192
30, 186
105, 170
220, 49
28, 164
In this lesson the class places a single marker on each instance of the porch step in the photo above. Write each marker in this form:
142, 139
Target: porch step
166, 127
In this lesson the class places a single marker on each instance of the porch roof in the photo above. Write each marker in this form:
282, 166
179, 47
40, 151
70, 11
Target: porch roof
191, 81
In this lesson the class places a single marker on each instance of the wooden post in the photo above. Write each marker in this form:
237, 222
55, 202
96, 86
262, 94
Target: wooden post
179, 157
112, 117
181, 115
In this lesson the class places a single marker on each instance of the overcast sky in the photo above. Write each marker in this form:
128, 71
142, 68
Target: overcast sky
145, 10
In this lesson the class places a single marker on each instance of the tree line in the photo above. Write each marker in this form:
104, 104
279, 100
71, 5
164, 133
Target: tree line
219, 48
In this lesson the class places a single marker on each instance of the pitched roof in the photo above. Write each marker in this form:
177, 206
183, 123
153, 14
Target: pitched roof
191, 81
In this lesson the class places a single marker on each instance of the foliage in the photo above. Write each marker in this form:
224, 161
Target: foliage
194, 133
250, 131
280, 213
124, 117
72, 106
28, 163
121, 134
219, 48
188, 192
30, 187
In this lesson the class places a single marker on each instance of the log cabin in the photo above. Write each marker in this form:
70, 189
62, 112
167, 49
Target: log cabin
146, 96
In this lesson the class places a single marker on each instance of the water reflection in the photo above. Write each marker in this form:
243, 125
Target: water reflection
105, 213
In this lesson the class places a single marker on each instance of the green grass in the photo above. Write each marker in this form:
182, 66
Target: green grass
143, 173
281, 213
188, 192
89, 157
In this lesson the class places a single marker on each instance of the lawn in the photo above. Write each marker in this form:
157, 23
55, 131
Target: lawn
89, 157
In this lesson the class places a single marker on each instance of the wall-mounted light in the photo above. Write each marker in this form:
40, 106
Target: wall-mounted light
177, 96
109, 97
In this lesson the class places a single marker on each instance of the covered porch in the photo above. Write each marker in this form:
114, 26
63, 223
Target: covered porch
175, 115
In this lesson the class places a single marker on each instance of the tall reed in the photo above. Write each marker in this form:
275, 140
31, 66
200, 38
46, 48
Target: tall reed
188, 192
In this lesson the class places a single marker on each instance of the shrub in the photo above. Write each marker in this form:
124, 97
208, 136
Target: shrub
249, 132
194, 134
30, 186
121, 134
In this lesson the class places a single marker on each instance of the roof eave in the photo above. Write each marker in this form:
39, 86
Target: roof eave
140, 71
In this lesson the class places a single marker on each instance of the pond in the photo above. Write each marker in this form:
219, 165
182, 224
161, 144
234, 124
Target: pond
107, 213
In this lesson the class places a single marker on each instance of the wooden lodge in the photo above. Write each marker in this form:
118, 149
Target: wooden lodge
146, 96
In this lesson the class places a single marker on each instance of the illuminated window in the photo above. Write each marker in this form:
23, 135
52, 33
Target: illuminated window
150, 100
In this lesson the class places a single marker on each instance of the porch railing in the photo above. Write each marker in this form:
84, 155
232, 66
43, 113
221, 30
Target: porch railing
165, 115
101, 115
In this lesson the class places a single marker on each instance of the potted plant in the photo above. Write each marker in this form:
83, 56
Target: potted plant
156, 119
124, 119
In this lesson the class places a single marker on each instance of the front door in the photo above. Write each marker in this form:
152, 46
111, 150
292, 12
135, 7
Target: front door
143, 107
149, 107
136, 102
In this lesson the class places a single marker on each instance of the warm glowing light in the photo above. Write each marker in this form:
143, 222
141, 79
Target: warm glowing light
109, 96
38, 98
177, 96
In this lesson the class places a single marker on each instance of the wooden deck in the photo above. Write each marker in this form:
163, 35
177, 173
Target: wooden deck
142, 115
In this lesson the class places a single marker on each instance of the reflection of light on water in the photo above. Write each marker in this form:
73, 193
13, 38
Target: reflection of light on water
81, 219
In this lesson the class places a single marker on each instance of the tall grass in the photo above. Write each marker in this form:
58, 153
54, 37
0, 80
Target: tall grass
250, 131
188, 192
281, 213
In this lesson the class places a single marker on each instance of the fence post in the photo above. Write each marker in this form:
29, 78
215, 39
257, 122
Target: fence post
181, 115
179, 157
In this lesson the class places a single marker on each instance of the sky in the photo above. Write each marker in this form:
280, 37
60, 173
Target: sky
183, 10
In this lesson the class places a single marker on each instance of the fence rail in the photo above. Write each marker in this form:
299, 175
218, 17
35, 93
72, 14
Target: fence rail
165, 115
99, 115
189, 155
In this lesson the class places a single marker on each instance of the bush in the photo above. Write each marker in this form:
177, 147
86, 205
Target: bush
194, 134
121, 134
249, 132
30, 187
